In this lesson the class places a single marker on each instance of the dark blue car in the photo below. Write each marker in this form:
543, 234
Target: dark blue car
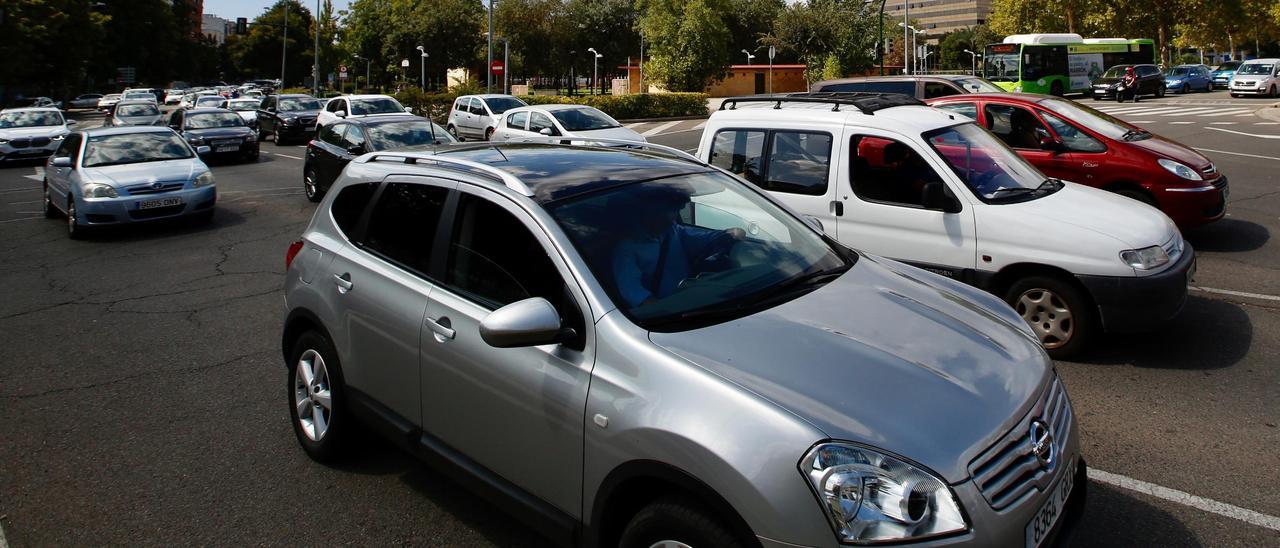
1188, 78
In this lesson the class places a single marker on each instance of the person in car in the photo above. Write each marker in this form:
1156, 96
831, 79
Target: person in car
1130, 83
659, 253
1023, 130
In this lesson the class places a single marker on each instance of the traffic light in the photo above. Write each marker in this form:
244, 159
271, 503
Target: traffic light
242, 26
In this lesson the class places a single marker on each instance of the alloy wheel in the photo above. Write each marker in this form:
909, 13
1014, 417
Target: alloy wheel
669, 544
73, 227
311, 395
1048, 315
309, 184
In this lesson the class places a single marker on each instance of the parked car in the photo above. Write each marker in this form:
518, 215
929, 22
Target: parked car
109, 176
1150, 81
222, 131
356, 106
920, 87
1223, 73
1072, 142
108, 101
1257, 77
27, 133
139, 95
39, 102
210, 101
541, 121
938, 191
247, 108
340, 142
135, 113
287, 118
476, 305
173, 96
476, 116
86, 100
1188, 78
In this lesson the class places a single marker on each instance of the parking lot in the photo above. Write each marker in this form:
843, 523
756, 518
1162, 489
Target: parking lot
144, 396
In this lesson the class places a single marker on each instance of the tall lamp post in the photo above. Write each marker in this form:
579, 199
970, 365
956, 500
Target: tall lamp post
906, 40
315, 69
973, 62
595, 62
284, 44
908, 44
749, 56
506, 58
488, 69
422, 71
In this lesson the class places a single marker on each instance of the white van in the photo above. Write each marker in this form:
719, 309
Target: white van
889, 176
1259, 77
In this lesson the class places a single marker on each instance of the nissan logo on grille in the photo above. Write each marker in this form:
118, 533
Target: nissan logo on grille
1042, 443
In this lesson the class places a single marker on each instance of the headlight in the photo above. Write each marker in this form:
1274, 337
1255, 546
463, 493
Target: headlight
195, 140
59, 137
250, 138
870, 497
4, 141
1179, 169
204, 179
98, 190
1146, 258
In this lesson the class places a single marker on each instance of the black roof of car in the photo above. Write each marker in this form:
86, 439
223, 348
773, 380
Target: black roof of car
557, 172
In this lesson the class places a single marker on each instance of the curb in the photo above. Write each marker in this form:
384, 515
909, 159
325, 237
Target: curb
1270, 112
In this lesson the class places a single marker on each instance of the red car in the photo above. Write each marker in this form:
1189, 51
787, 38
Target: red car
1070, 141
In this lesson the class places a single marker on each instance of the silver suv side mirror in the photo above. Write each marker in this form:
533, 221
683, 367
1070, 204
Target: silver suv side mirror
531, 322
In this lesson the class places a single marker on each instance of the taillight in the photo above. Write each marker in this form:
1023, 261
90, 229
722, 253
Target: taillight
294, 248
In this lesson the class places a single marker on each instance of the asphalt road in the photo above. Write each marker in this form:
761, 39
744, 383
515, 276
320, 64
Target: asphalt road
143, 397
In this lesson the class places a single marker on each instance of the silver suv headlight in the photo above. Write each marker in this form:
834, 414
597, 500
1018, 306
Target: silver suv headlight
870, 497
1146, 258
98, 190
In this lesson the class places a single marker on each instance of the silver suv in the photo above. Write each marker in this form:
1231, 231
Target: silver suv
627, 346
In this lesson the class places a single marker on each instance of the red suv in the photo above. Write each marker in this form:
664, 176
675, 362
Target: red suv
1070, 141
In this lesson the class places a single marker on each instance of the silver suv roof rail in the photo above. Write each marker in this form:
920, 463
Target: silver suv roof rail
866, 102
456, 164
584, 141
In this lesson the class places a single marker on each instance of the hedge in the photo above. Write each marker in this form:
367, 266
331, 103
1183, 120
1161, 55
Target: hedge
621, 107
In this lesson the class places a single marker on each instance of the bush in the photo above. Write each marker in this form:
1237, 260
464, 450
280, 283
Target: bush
621, 107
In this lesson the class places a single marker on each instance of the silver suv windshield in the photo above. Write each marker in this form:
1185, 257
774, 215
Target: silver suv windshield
691, 250
989, 168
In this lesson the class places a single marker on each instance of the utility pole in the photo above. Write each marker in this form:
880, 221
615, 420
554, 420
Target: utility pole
422, 70
284, 43
641, 63
906, 35
506, 66
489, 67
315, 69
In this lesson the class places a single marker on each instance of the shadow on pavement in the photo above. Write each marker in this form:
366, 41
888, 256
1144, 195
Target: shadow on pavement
1228, 235
167, 228
1116, 517
1208, 334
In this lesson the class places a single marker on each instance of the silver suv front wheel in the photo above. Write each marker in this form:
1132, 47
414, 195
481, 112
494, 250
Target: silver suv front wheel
320, 418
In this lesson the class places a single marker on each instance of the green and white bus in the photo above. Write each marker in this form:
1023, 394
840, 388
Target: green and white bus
1059, 63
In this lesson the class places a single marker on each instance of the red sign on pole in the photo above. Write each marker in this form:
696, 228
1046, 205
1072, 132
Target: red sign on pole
498, 67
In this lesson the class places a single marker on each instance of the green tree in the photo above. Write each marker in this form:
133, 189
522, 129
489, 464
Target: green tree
258, 53
951, 47
749, 22
844, 29
687, 42
536, 31
37, 34
451, 31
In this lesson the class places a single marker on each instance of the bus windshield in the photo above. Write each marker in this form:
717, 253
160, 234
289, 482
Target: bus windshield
1001, 67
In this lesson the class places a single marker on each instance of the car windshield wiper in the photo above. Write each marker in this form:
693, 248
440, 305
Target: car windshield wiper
1048, 184
1134, 134
756, 300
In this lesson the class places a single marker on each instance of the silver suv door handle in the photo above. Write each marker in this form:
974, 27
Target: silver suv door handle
441, 328
343, 281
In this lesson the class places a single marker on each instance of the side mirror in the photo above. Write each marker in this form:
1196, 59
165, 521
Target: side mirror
71, 122
203, 149
936, 196
1052, 144
61, 161
408, 109
531, 322
546, 131
340, 113
356, 150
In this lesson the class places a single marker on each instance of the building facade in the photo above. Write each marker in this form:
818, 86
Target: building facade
938, 17
215, 28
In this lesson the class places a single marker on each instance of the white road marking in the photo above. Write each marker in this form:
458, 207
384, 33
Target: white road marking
1221, 124
1153, 111
1180, 123
37, 178
22, 219
1142, 121
1258, 296
1229, 112
288, 156
1187, 499
661, 128
1266, 123
700, 125
1236, 153
1188, 111
295, 187
30, 202
12, 190
4, 543
1258, 135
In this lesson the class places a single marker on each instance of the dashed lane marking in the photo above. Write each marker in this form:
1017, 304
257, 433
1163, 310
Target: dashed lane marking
661, 128
1180, 123
14, 221
1266, 123
1237, 153
1221, 124
1246, 294
1142, 121
1229, 112
1187, 499
287, 156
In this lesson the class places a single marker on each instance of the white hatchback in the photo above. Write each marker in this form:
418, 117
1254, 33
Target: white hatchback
1259, 78
887, 175
358, 106
538, 122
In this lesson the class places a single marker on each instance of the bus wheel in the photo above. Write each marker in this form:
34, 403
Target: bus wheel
1056, 89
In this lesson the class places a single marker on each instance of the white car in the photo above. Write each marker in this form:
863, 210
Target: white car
476, 116
357, 106
173, 96
108, 101
31, 132
538, 122
247, 108
890, 176
1259, 77
138, 95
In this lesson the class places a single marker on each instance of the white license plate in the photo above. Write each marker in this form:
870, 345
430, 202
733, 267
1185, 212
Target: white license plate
1049, 513
227, 148
152, 204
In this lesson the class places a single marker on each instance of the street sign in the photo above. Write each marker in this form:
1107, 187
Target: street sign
404, 63
772, 51
342, 71
498, 66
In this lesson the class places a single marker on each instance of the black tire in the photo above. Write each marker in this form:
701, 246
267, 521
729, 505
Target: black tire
1186, 89
311, 186
675, 519
1138, 195
74, 230
332, 444
1235, 95
1160, 91
1052, 292
454, 132
1273, 92
1056, 89
488, 134
279, 140
50, 212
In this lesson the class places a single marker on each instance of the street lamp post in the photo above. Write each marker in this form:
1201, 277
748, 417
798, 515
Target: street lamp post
422, 71
489, 67
284, 43
595, 61
749, 56
973, 62
909, 44
315, 69
906, 51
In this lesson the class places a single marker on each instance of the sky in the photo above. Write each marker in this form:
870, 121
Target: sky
231, 9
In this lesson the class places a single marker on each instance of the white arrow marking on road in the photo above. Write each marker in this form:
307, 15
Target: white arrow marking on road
661, 128
1236, 153
38, 176
1182, 497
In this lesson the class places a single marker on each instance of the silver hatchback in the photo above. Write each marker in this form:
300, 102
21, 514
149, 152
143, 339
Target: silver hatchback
627, 346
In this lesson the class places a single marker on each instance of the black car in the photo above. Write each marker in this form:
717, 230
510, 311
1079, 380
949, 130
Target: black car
1150, 81
224, 132
290, 117
339, 143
